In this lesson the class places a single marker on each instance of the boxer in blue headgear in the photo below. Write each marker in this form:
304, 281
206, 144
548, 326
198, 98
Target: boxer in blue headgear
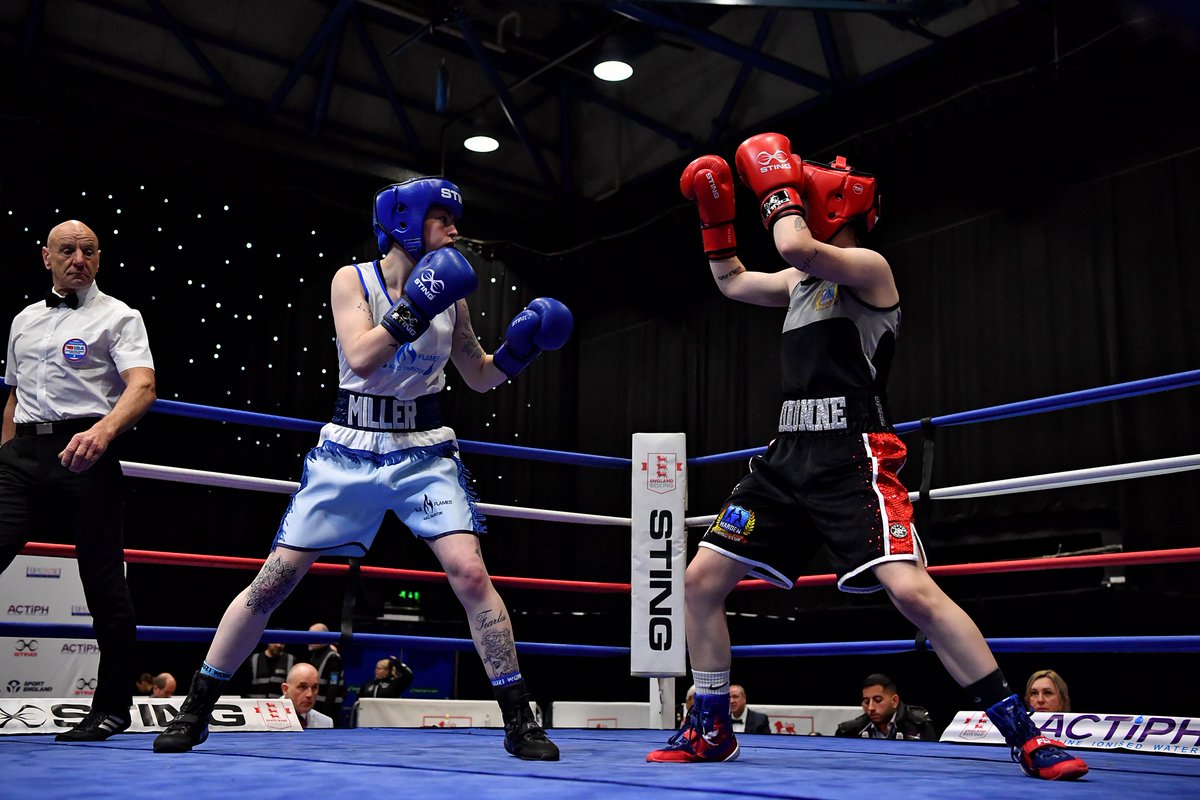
401, 320
400, 211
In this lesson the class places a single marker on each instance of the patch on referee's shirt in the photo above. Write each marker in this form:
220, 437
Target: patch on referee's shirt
74, 349
898, 531
734, 522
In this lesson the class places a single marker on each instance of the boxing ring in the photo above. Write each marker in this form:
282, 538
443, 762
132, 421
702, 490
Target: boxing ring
602, 763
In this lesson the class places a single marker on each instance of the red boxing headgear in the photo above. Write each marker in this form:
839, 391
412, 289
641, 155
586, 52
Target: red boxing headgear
835, 194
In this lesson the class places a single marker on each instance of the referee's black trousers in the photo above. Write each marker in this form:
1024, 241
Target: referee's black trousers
41, 500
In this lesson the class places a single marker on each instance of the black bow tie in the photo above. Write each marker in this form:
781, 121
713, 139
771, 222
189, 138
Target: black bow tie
53, 300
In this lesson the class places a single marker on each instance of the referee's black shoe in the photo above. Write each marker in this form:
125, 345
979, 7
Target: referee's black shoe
97, 726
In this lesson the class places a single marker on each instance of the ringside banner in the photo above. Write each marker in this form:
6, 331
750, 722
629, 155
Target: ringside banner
659, 555
55, 715
45, 589
1143, 732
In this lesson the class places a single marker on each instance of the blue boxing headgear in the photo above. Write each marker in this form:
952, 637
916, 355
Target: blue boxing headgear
400, 211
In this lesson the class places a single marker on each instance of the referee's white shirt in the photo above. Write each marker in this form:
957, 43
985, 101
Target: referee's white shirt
67, 362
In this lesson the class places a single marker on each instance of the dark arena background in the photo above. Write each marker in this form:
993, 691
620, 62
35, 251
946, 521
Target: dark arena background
1038, 164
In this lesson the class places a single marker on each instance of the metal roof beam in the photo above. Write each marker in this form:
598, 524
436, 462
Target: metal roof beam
332, 23
189, 44
720, 44
515, 119
739, 83
385, 84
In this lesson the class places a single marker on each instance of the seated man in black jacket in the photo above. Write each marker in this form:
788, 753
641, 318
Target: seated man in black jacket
886, 717
392, 676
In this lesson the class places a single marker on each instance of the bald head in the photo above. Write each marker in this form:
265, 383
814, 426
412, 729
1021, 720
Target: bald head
320, 627
301, 687
72, 255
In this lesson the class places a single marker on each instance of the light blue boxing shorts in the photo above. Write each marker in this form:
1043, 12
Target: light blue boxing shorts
345, 493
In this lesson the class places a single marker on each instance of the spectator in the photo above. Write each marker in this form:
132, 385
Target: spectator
79, 374
328, 662
1047, 691
144, 685
745, 720
268, 670
301, 688
392, 676
164, 685
885, 716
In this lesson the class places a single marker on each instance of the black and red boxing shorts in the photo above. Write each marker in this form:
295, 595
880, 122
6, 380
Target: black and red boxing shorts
837, 488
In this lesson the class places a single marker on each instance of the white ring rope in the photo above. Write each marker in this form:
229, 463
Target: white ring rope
228, 481
1034, 483
1029, 483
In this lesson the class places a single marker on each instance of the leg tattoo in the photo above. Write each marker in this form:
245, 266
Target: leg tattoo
272, 584
498, 652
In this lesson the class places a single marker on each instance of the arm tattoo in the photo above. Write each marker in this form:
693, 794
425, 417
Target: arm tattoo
731, 273
800, 225
272, 584
483, 623
468, 345
498, 651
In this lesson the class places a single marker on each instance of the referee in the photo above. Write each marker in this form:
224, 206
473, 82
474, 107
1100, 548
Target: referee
79, 373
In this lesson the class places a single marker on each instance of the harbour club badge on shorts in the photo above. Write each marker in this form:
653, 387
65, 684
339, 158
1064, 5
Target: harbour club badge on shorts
74, 349
734, 522
898, 531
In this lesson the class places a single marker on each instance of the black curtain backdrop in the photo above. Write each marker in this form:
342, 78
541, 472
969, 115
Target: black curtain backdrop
1042, 225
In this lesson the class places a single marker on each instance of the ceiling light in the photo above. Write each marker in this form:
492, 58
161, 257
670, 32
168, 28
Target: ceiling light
481, 144
612, 71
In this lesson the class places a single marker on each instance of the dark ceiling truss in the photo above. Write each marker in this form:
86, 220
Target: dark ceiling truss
515, 117
414, 140
721, 123
189, 44
722, 45
559, 81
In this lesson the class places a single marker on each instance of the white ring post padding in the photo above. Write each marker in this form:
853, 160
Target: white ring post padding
1049, 480
228, 481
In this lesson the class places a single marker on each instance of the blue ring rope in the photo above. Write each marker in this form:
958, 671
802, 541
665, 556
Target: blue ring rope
1081, 644
181, 409
1057, 402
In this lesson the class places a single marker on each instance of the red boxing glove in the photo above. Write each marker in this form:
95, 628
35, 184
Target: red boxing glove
709, 182
766, 165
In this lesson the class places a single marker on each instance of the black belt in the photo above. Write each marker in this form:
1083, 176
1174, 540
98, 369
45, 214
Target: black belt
54, 428
369, 412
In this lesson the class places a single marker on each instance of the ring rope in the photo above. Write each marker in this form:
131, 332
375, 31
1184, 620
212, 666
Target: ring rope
1078, 644
1058, 402
177, 408
325, 568
1137, 558
1033, 483
230, 481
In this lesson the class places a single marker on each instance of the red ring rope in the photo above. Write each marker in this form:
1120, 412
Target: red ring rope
1180, 555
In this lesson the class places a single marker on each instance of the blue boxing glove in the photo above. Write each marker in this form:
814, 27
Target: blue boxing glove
545, 324
439, 279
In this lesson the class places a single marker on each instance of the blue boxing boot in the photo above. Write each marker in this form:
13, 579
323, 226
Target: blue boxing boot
1038, 755
706, 734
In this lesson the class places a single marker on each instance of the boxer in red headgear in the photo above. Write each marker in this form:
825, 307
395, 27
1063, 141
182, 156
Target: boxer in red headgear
830, 476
